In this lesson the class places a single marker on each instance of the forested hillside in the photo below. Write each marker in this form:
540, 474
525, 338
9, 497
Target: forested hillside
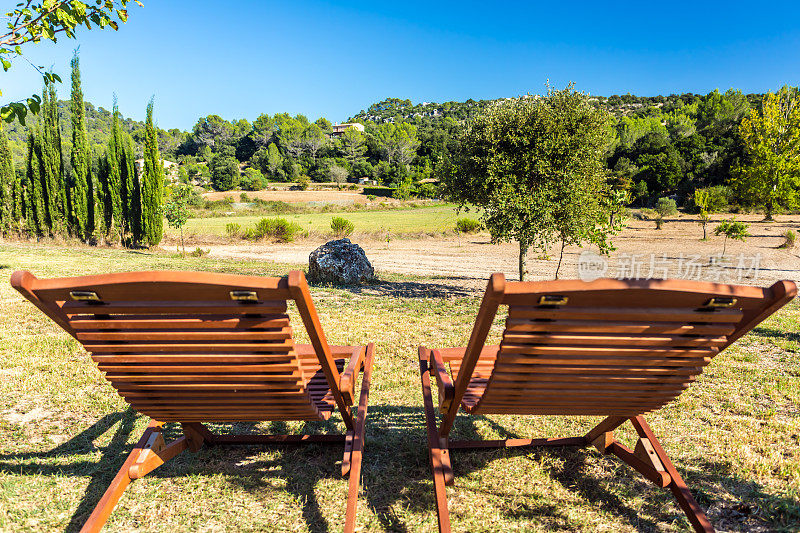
663, 144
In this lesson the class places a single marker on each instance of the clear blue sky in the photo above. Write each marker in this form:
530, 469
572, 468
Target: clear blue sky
333, 59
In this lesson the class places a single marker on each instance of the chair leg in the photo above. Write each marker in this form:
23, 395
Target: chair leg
148, 454
357, 444
694, 513
434, 449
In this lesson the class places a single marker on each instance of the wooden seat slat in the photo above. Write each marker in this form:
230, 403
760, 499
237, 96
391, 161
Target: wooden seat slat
199, 348
179, 322
623, 314
589, 326
610, 341
181, 335
72, 308
528, 352
264, 358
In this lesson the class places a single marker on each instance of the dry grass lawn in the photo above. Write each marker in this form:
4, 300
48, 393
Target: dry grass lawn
734, 435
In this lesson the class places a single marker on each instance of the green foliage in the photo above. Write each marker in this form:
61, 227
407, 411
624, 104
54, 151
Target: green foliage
405, 190
199, 252
664, 207
467, 225
7, 179
371, 197
770, 178
789, 239
277, 229
33, 22
233, 230
536, 167
152, 184
341, 227
81, 192
303, 182
732, 230
224, 172
384, 192
176, 208
252, 179
34, 205
52, 169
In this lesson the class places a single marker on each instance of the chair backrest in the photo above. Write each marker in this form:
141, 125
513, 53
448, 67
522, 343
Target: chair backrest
608, 347
192, 346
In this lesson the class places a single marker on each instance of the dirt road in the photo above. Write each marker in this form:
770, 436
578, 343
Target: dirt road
642, 251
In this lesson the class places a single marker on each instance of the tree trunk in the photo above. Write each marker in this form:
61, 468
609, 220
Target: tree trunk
523, 252
704, 229
561, 256
724, 244
182, 246
769, 208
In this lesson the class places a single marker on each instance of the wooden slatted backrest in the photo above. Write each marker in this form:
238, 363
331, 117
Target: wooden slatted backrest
608, 347
191, 346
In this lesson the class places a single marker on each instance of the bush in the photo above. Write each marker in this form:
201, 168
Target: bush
371, 197
233, 230
243, 197
664, 207
341, 227
790, 240
467, 225
385, 192
199, 252
278, 229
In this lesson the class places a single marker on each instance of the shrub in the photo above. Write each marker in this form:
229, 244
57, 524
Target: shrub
303, 182
386, 192
371, 197
278, 229
233, 230
733, 230
199, 252
243, 197
789, 239
467, 225
341, 227
664, 207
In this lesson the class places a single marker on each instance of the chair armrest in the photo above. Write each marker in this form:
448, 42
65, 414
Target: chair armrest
446, 389
347, 379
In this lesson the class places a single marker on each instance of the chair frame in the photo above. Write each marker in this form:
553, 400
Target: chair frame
151, 451
648, 457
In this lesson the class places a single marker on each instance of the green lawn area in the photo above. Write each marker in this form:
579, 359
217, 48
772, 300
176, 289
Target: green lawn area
434, 219
734, 435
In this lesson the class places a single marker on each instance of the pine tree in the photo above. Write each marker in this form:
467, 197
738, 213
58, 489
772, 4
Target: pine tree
7, 179
53, 164
152, 183
35, 215
80, 193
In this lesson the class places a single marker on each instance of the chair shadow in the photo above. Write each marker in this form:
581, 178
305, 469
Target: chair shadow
409, 289
396, 473
772, 333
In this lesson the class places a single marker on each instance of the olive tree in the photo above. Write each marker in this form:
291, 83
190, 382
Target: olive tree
536, 168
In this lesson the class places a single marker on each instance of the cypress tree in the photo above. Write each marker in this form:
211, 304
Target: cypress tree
18, 213
114, 179
152, 183
104, 196
53, 163
35, 211
80, 193
7, 179
127, 175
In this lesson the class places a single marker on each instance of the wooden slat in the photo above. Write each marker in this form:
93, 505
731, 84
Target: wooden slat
517, 352
183, 335
624, 314
198, 348
274, 358
160, 308
609, 327
180, 322
214, 368
611, 341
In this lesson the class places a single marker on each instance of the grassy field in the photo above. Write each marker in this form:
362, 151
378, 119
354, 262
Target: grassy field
434, 219
734, 435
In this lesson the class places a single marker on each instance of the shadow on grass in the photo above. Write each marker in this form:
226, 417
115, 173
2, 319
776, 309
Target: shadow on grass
774, 333
396, 475
409, 289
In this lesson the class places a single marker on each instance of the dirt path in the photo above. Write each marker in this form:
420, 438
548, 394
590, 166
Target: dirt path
642, 251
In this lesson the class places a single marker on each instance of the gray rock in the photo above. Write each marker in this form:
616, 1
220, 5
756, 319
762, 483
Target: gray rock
340, 262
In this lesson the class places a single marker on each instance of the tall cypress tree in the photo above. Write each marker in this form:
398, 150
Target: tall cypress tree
53, 163
113, 162
35, 211
133, 193
80, 193
152, 183
7, 179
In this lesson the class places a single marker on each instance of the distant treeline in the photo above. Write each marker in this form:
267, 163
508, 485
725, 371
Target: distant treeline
663, 144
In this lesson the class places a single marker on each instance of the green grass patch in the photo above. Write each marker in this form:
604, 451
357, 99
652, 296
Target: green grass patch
734, 435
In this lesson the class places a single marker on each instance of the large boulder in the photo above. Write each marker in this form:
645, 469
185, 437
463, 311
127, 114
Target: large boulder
340, 262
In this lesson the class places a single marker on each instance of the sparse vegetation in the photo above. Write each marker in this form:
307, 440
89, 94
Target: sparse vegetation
467, 225
341, 227
277, 229
732, 230
789, 239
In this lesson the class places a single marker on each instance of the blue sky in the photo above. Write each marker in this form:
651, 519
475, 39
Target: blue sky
333, 59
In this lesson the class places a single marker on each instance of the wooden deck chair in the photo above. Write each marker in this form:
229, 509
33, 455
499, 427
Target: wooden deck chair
612, 348
195, 347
